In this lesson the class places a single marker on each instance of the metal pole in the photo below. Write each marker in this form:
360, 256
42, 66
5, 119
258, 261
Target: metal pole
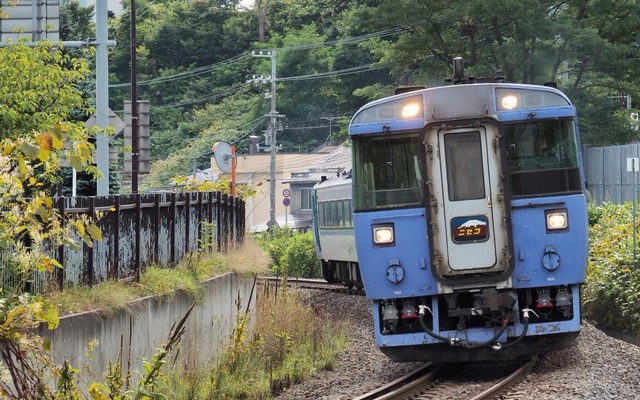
330, 119
272, 129
272, 135
634, 170
102, 98
134, 103
233, 170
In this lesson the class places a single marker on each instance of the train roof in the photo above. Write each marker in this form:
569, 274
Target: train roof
333, 164
334, 182
478, 100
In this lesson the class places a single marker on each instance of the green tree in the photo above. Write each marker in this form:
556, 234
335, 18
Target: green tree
226, 121
76, 22
38, 88
589, 48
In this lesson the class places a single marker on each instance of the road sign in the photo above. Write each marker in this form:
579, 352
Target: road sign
286, 193
114, 121
286, 201
632, 164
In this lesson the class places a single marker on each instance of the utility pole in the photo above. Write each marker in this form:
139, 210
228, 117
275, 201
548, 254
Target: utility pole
273, 115
102, 98
135, 164
330, 119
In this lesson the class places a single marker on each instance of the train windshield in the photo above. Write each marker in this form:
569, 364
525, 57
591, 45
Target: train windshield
542, 158
387, 172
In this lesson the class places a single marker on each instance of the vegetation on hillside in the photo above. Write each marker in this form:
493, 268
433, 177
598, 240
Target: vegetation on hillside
195, 64
612, 290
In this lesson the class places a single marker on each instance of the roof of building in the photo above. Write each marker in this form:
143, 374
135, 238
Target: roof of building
335, 163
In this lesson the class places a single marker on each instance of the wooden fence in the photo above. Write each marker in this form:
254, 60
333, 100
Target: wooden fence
141, 230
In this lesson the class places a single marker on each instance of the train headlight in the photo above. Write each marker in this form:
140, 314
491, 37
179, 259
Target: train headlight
411, 110
403, 108
556, 219
509, 102
383, 235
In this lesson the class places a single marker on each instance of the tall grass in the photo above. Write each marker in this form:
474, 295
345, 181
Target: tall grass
111, 296
288, 343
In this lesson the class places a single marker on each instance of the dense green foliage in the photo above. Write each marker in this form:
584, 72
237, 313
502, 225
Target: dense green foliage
610, 297
292, 253
38, 92
333, 56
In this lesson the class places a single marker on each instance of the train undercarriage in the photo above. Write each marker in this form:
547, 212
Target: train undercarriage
478, 325
345, 272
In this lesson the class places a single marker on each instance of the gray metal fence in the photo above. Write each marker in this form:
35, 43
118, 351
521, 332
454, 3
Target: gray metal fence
606, 174
138, 231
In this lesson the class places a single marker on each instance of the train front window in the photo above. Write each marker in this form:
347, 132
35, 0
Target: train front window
542, 158
387, 172
465, 175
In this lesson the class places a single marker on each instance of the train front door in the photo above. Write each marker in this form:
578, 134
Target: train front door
467, 200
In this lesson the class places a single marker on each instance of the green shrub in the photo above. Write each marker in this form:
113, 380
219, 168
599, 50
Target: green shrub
275, 242
300, 258
292, 253
612, 290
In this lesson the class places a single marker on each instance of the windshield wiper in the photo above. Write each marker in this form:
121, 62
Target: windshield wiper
523, 127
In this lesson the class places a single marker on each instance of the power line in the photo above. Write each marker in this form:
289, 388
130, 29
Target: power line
346, 71
209, 68
187, 74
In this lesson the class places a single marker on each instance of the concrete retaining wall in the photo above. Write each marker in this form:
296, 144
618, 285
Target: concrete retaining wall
146, 325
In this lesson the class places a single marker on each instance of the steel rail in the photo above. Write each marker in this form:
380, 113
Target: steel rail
507, 382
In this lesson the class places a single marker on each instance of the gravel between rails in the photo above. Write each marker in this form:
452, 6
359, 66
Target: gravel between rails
596, 367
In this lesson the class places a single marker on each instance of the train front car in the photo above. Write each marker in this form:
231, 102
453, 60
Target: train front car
470, 220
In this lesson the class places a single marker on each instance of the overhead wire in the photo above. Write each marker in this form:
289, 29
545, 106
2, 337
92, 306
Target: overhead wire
245, 55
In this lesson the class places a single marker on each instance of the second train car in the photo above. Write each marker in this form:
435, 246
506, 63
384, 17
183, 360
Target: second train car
470, 219
333, 231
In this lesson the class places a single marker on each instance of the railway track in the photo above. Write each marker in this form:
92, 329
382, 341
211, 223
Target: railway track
431, 381
305, 283
476, 381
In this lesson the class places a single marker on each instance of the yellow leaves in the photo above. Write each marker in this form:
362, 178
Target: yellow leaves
94, 232
49, 313
80, 227
7, 149
57, 140
50, 263
22, 165
88, 231
45, 143
13, 315
29, 149
98, 391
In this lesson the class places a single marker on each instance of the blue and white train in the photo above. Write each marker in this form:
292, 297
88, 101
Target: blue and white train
470, 219
333, 231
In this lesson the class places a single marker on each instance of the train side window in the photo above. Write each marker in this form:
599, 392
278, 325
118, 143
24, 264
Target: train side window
322, 214
340, 214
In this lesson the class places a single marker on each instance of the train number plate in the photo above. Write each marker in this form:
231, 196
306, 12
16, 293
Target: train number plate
470, 229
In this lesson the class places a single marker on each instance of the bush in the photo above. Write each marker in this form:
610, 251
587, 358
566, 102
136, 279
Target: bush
292, 253
612, 290
300, 258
